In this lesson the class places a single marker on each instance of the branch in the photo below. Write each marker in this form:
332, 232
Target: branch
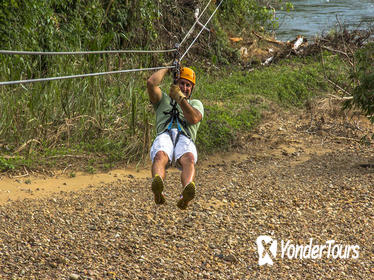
338, 51
25, 144
340, 88
341, 98
268, 40
70, 156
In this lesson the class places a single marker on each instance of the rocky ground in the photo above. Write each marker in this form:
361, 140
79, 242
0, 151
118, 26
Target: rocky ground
297, 177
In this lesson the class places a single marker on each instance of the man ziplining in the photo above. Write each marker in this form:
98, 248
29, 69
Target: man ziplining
177, 121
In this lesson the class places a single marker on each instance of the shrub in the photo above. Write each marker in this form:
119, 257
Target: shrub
363, 77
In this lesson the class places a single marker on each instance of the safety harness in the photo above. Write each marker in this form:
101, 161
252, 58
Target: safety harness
174, 117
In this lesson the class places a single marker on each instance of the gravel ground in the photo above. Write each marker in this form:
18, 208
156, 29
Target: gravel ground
294, 181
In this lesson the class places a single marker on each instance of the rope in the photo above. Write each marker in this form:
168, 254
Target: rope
202, 29
82, 75
193, 26
83, 52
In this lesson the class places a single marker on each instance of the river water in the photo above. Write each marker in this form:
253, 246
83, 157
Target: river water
315, 17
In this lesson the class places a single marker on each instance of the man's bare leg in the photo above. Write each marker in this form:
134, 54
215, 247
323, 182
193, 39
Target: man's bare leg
188, 168
187, 177
158, 174
159, 164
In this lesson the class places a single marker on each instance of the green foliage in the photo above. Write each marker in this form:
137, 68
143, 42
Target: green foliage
12, 163
233, 101
223, 124
252, 14
363, 77
90, 169
290, 83
5, 165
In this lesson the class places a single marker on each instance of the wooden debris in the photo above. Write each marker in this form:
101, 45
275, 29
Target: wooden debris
236, 39
342, 42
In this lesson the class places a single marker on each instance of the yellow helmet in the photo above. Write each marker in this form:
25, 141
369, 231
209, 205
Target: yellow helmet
188, 74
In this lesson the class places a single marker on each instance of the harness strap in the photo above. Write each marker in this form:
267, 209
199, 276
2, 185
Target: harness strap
174, 118
174, 113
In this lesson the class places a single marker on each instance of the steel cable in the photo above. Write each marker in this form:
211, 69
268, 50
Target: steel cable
103, 52
193, 26
202, 29
83, 52
82, 75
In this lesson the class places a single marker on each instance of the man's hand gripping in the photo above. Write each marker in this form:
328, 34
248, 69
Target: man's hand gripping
176, 94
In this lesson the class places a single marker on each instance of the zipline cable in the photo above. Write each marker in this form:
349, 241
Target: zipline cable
202, 29
82, 75
111, 72
11, 52
83, 52
193, 26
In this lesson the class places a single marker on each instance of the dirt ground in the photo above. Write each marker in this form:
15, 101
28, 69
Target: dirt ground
301, 176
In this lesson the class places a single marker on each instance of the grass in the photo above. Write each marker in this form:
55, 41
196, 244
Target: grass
105, 121
234, 98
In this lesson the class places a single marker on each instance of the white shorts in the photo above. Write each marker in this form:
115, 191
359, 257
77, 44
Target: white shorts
164, 143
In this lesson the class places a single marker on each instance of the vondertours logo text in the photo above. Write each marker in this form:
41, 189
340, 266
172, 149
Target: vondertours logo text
268, 250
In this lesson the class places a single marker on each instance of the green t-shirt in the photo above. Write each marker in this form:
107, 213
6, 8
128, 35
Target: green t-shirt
161, 118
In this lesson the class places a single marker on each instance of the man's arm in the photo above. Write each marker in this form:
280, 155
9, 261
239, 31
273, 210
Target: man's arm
153, 83
191, 114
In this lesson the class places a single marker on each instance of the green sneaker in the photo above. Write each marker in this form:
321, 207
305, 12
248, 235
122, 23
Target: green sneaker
187, 195
157, 188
